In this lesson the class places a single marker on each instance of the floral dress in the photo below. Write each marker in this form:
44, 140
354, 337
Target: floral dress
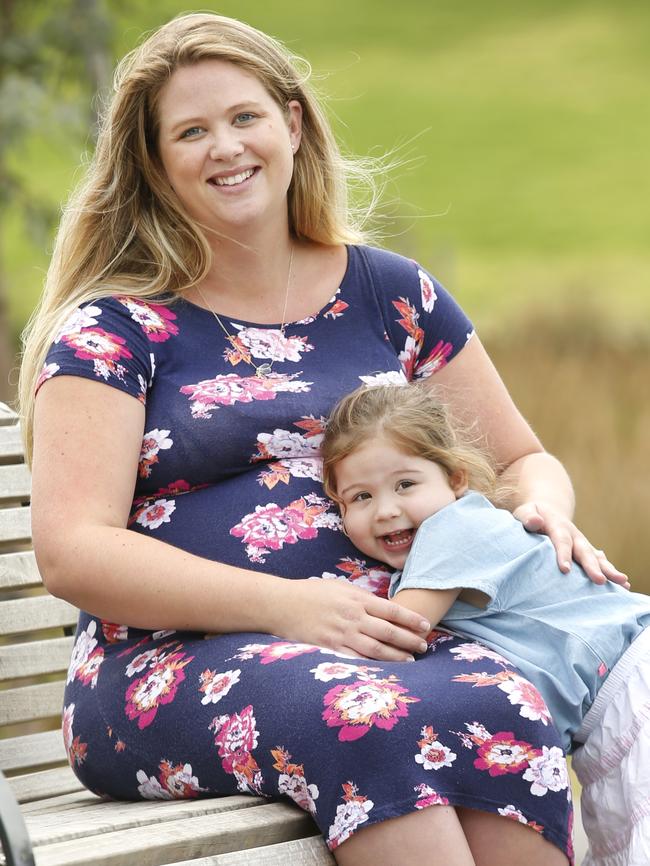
229, 470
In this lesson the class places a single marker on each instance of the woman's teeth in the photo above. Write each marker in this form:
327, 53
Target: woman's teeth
234, 179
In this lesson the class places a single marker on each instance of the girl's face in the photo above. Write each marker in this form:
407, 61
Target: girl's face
227, 147
386, 493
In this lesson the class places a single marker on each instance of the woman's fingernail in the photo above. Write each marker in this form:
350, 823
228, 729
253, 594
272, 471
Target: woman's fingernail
424, 646
425, 625
409, 659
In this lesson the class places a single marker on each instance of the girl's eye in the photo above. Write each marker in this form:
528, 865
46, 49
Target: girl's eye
360, 497
404, 484
192, 131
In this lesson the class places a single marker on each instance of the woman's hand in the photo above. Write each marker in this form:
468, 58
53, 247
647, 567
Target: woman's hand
569, 542
342, 617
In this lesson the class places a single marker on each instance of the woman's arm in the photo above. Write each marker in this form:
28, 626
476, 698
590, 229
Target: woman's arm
543, 495
86, 449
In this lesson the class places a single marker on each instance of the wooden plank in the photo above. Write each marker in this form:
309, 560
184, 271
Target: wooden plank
11, 444
35, 613
301, 852
28, 703
33, 750
35, 658
15, 525
7, 415
194, 837
18, 571
44, 784
76, 816
15, 484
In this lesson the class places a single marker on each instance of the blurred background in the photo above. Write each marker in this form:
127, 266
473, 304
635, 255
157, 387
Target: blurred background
521, 133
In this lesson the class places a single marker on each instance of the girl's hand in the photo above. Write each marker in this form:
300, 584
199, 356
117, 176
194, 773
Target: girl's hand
342, 617
569, 542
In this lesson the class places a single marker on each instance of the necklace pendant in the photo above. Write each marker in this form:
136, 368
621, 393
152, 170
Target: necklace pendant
262, 371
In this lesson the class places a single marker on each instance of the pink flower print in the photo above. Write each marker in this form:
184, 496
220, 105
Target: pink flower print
292, 781
390, 377
156, 320
46, 373
154, 515
503, 754
471, 652
152, 442
82, 317
516, 815
283, 444
548, 772
336, 310
215, 686
75, 749
313, 426
327, 671
436, 638
408, 357
141, 661
427, 292
375, 579
236, 737
83, 647
357, 707
352, 812
522, 693
283, 650
482, 678
271, 344
433, 755
435, 360
229, 389
158, 687
270, 527
428, 797
173, 783
96, 343
88, 671
114, 632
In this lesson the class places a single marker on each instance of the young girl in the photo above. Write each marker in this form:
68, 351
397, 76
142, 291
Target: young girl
413, 495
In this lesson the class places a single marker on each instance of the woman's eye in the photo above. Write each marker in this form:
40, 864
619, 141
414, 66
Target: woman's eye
192, 131
244, 117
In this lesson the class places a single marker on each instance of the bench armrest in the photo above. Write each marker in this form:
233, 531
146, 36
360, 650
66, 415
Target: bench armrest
13, 833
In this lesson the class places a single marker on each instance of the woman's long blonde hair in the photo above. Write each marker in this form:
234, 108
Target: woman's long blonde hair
124, 230
414, 420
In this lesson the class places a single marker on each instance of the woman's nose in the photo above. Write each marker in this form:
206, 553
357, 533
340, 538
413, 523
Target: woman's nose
225, 146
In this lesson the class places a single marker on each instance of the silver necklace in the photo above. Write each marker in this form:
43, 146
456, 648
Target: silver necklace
261, 370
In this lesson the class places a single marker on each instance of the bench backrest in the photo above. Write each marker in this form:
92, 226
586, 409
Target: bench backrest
35, 641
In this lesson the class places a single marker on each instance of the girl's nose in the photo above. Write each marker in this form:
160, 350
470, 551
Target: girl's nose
386, 507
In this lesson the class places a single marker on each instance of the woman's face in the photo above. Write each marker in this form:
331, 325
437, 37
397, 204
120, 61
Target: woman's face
227, 147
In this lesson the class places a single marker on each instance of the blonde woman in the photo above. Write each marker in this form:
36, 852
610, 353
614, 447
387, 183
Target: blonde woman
209, 300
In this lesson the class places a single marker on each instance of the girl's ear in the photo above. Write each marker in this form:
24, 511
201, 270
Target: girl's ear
459, 482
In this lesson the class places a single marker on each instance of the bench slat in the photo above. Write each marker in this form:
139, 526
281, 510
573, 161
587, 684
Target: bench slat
44, 784
34, 614
15, 525
301, 852
15, 484
33, 750
7, 415
35, 658
19, 570
167, 841
11, 444
28, 703
82, 814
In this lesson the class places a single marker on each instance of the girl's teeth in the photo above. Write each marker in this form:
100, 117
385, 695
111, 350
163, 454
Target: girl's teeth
234, 179
398, 538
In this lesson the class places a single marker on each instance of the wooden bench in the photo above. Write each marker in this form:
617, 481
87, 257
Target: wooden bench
65, 824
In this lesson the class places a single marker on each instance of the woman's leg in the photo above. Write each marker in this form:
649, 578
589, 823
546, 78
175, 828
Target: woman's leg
498, 841
428, 837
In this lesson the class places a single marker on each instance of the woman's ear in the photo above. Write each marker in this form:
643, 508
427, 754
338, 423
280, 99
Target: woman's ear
459, 482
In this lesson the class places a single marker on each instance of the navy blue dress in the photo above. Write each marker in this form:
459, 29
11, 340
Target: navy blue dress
229, 470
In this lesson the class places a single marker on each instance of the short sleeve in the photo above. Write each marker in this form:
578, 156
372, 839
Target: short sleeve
423, 322
110, 340
469, 545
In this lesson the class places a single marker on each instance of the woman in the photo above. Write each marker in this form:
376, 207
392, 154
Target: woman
172, 506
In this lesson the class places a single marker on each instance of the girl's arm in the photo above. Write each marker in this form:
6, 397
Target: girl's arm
433, 604
86, 449
543, 495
